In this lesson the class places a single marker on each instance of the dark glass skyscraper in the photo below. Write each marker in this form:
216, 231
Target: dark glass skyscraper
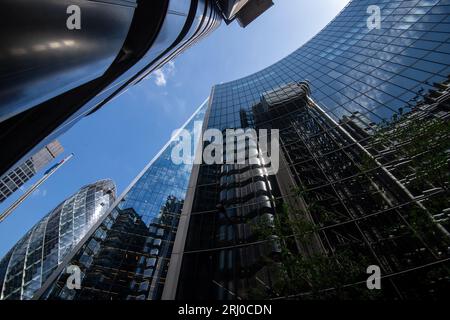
127, 253
33, 259
352, 190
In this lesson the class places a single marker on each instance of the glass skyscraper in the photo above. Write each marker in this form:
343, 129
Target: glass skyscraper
14, 179
363, 117
126, 256
33, 259
351, 177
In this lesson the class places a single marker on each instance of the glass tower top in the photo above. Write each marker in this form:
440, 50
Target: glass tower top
353, 68
30, 262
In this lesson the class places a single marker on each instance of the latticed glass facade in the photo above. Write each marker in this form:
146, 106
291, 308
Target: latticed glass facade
362, 197
352, 68
32, 260
126, 256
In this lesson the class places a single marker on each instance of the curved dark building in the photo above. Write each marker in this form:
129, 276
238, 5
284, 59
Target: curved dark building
62, 60
32, 260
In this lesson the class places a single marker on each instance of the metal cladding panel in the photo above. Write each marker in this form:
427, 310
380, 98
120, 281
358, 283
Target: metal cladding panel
176, 27
42, 58
252, 10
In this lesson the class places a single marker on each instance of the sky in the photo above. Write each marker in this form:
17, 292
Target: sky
118, 141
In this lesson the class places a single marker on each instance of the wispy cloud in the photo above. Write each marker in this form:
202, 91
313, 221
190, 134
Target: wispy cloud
162, 75
39, 193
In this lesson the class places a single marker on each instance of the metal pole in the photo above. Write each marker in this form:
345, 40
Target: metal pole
22, 198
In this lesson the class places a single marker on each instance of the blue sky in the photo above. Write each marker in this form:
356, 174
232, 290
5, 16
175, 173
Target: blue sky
118, 141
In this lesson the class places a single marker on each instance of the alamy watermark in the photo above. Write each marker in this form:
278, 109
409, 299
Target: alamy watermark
73, 22
73, 282
374, 20
231, 146
374, 281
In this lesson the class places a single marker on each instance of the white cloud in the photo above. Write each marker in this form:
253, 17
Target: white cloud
161, 75
160, 78
39, 193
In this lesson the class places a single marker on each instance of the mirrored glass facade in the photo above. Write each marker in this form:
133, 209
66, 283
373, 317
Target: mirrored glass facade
362, 115
340, 102
126, 255
32, 260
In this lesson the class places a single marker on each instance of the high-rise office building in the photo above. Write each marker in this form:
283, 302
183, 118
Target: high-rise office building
33, 259
346, 177
13, 180
362, 113
63, 60
126, 256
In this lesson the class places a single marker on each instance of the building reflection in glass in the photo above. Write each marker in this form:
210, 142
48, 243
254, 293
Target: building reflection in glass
126, 257
360, 82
